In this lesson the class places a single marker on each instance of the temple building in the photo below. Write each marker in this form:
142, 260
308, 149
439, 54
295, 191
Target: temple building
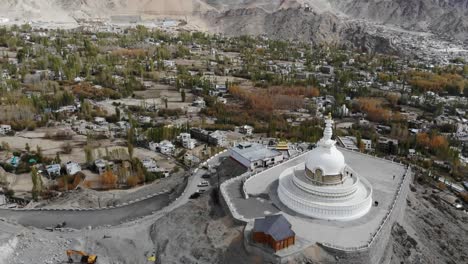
275, 231
324, 186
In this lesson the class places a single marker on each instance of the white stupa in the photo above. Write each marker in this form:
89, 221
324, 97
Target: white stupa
324, 186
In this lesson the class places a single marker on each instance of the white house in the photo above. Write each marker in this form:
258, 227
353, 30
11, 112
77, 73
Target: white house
53, 170
199, 102
72, 168
150, 165
165, 147
218, 138
103, 165
350, 142
187, 141
144, 119
5, 129
246, 129
169, 64
100, 120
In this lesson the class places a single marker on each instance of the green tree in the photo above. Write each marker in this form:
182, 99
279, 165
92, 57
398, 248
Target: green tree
117, 113
182, 95
37, 183
39, 151
57, 158
130, 150
89, 155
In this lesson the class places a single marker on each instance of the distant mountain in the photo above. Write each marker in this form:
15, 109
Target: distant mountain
314, 20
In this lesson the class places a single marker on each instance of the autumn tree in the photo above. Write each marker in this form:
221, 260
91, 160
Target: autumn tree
374, 109
89, 154
132, 181
109, 179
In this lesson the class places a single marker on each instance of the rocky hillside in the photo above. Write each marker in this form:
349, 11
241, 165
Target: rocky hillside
440, 16
343, 21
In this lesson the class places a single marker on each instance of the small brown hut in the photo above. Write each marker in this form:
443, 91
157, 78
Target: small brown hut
275, 231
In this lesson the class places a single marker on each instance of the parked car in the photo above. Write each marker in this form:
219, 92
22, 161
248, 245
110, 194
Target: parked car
203, 184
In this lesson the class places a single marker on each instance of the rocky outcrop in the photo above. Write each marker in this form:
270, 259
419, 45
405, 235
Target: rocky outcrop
447, 17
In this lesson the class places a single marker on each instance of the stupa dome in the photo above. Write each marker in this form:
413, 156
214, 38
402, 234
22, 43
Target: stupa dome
324, 186
329, 160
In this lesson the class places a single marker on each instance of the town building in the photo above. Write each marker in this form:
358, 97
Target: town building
100, 120
350, 142
186, 140
219, 90
199, 102
275, 231
5, 129
72, 168
53, 170
347, 142
150, 165
254, 155
164, 147
387, 145
218, 138
103, 165
200, 134
246, 129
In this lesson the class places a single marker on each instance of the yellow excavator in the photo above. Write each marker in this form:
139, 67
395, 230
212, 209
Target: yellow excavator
85, 258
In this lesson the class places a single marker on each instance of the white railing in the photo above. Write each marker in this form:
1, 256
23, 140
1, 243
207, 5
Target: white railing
255, 175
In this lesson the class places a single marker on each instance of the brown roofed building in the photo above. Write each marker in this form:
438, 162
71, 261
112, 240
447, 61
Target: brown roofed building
275, 231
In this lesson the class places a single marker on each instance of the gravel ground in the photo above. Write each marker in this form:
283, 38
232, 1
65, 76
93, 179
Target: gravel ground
431, 231
198, 232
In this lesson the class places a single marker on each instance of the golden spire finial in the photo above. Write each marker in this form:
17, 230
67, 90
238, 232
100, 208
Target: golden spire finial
329, 115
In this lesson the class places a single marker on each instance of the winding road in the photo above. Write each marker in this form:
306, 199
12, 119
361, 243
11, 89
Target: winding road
158, 205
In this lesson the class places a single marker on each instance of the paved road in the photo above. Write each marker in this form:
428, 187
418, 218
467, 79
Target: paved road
191, 187
160, 204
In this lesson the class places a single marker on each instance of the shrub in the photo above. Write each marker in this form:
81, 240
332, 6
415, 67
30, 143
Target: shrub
66, 148
23, 167
8, 167
152, 176
132, 181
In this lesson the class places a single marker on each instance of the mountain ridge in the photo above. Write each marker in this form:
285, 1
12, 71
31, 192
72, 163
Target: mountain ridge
309, 20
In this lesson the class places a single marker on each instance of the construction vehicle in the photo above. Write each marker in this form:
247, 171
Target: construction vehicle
85, 258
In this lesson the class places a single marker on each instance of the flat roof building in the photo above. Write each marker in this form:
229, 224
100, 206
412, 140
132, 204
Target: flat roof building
254, 155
